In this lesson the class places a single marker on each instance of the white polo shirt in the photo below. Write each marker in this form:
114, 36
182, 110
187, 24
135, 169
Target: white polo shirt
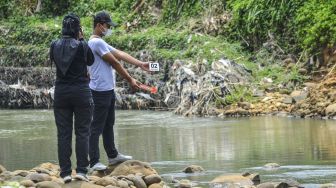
102, 75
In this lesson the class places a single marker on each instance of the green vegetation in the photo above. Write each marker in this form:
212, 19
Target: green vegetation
182, 29
316, 25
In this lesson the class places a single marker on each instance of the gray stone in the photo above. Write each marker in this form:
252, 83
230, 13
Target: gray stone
27, 183
235, 179
155, 185
48, 184
137, 181
299, 96
331, 110
133, 167
271, 166
22, 173
152, 179
184, 184
35, 177
122, 184
6, 175
193, 169
105, 181
80, 184
273, 185
255, 178
287, 100
17, 178
258, 93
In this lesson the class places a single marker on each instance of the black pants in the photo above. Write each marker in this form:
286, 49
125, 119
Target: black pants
73, 101
103, 122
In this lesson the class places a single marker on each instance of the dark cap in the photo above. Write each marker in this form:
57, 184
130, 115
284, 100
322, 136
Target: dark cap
104, 17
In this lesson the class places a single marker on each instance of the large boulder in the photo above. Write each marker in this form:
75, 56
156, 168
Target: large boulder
133, 167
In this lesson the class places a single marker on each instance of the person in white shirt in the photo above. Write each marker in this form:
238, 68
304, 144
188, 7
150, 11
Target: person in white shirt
102, 83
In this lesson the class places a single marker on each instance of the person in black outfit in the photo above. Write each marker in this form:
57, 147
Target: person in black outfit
72, 96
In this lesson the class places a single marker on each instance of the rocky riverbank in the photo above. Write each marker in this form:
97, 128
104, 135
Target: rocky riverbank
135, 174
189, 89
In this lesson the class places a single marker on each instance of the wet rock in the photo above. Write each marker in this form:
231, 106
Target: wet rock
271, 166
299, 96
17, 178
133, 167
137, 181
80, 184
48, 166
2, 169
152, 179
105, 181
122, 184
155, 185
193, 169
22, 173
35, 177
331, 110
273, 185
184, 184
255, 178
27, 183
233, 179
6, 175
48, 184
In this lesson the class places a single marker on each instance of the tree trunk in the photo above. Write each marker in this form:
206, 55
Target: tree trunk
38, 6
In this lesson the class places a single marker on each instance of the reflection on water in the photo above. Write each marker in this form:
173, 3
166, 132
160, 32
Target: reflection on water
306, 149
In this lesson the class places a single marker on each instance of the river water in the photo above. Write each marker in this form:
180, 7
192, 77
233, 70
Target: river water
305, 148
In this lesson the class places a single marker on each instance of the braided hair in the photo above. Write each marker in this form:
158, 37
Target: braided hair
71, 25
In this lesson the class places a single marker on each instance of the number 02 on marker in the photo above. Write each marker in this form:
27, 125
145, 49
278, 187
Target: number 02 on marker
154, 67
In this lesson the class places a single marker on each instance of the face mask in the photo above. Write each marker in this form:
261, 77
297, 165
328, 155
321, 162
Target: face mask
107, 32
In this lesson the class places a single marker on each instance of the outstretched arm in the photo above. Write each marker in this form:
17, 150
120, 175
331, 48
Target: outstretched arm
117, 66
120, 55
